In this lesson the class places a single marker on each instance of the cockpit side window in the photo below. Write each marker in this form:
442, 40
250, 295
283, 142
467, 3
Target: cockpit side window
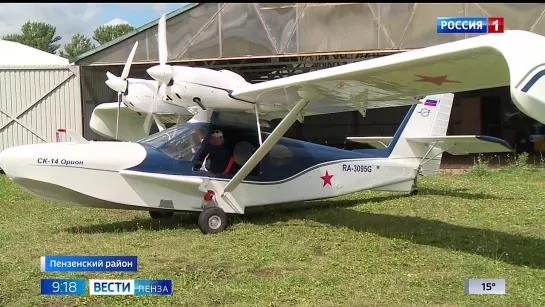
185, 145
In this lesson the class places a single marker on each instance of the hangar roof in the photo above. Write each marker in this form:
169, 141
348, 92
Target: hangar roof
16, 54
208, 31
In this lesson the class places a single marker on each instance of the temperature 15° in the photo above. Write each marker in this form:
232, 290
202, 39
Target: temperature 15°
487, 286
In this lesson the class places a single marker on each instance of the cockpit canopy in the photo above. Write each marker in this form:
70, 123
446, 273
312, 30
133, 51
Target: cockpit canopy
180, 142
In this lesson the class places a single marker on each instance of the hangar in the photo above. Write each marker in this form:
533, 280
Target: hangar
264, 41
39, 92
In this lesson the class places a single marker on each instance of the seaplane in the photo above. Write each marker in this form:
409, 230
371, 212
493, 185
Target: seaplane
163, 172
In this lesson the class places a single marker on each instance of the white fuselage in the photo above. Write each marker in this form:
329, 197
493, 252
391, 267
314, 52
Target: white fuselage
96, 175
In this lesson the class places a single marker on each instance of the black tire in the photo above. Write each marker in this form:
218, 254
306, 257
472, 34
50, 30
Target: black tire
157, 215
212, 220
414, 192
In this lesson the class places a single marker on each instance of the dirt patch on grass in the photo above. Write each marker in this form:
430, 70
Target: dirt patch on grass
539, 183
222, 272
268, 272
273, 272
188, 268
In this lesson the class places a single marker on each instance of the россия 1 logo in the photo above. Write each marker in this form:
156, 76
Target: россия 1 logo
472, 25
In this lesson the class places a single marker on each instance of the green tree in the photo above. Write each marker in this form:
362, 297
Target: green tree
104, 34
39, 35
78, 45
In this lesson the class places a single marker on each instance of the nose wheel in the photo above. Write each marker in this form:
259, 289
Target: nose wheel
212, 220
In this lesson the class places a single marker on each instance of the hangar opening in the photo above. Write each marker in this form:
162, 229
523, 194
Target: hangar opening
265, 41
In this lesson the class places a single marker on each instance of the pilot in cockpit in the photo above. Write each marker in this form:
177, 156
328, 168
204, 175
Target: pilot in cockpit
217, 156
198, 138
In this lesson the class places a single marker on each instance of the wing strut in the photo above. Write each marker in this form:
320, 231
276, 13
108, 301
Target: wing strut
159, 123
271, 140
429, 159
361, 102
258, 125
424, 160
427, 153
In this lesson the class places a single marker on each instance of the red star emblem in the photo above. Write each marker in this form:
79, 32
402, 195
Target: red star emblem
326, 178
439, 80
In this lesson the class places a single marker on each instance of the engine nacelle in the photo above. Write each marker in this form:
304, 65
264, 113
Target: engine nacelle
206, 88
142, 97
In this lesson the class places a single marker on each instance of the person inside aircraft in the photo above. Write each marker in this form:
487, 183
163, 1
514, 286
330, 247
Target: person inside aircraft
217, 157
198, 138
179, 142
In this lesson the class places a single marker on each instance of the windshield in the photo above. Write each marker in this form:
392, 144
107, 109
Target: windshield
180, 142
162, 137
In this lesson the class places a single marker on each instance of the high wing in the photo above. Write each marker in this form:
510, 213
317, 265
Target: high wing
480, 62
453, 144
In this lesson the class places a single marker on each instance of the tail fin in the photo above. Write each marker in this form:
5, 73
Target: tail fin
430, 118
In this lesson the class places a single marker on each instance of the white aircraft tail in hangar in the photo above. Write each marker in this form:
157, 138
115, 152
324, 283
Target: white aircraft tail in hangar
172, 170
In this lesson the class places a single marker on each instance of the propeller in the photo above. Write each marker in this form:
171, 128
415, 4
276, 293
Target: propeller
161, 89
162, 73
121, 84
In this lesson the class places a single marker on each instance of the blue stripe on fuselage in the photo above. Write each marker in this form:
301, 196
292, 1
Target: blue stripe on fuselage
533, 80
304, 156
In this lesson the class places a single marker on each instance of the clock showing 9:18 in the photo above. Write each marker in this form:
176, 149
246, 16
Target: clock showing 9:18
62, 287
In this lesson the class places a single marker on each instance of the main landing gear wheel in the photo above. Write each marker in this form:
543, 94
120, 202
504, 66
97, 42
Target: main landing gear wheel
414, 189
212, 220
157, 215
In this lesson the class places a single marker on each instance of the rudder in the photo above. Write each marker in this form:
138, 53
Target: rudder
429, 118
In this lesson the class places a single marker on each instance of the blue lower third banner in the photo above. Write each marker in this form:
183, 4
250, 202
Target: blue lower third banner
89, 263
62, 287
130, 287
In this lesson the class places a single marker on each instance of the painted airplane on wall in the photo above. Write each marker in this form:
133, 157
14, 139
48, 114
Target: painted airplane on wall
161, 173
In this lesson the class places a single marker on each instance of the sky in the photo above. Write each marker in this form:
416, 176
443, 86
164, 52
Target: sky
72, 18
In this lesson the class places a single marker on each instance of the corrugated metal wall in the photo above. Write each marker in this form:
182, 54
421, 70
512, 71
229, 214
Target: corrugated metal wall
219, 30
35, 102
95, 91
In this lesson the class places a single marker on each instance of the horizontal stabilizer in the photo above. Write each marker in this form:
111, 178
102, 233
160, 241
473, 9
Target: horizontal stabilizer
464, 144
453, 144
375, 141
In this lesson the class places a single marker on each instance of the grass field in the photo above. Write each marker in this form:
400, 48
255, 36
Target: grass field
366, 249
